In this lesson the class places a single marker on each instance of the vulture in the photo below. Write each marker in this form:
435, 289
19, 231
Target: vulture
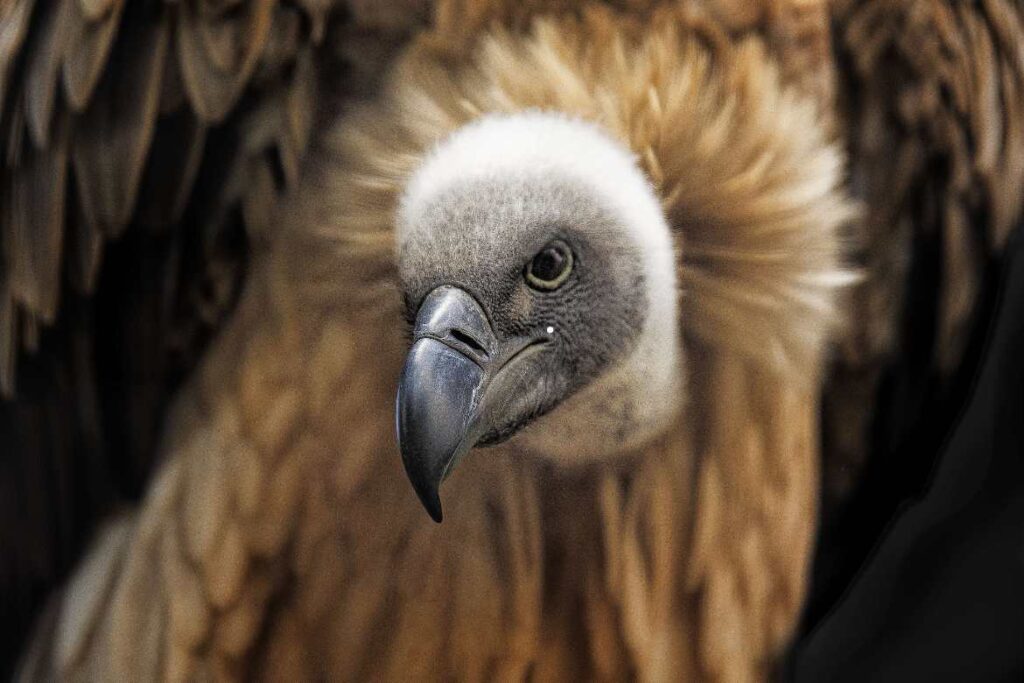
629, 294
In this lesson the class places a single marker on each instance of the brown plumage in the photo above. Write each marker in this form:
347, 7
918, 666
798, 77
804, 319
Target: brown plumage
117, 323
279, 537
278, 506
931, 95
107, 110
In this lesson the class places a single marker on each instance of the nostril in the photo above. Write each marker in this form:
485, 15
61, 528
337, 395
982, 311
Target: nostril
468, 341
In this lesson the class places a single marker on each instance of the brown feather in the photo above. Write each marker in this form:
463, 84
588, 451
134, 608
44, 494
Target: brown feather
171, 168
84, 248
297, 113
98, 9
91, 35
936, 143
286, 37
113, 135
214, 80
33, 226
45, 50
317, 12
29, 331
172, 89
126, 336
259, 201
14, 20
8, 335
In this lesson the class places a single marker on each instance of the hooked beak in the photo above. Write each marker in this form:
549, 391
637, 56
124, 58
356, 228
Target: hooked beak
446, 386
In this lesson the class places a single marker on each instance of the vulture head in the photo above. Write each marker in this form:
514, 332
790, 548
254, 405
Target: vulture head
546, 204
538, 273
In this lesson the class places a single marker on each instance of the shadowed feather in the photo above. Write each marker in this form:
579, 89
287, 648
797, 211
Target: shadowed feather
114, 132
90, 38
45, 52
932, 93
84, 94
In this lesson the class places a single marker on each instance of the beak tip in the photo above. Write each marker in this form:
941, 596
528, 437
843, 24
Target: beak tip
431, 503
435, 512
426, 486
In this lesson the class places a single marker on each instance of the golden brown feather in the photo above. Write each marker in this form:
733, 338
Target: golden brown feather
280, 531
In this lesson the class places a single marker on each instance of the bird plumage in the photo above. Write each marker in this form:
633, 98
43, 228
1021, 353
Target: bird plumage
135, 312
279, 538
930, 93
279, 504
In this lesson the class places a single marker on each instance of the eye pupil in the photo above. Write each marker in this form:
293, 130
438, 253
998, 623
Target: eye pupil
550, 267
548, 264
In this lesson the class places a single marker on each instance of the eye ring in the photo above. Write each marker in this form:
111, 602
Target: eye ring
550, 267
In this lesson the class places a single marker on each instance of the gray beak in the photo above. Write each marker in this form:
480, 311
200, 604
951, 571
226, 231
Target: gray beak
439, 410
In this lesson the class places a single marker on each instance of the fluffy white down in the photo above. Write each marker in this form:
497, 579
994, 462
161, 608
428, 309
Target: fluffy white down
647, 383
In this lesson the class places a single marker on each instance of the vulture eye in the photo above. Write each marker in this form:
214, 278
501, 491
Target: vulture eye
550, 267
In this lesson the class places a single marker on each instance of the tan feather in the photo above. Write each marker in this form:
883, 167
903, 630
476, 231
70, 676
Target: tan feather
227, 567
189, 615
88, 594
238, 628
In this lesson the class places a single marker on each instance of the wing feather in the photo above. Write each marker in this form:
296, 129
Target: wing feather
90, 38
173, 127
14, 19
933, 92
114, 132
172, 167
45, 52
85, 248
33, 219
214, 78
94, 10
8, 335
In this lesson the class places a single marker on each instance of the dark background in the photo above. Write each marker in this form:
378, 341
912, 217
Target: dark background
922, 576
